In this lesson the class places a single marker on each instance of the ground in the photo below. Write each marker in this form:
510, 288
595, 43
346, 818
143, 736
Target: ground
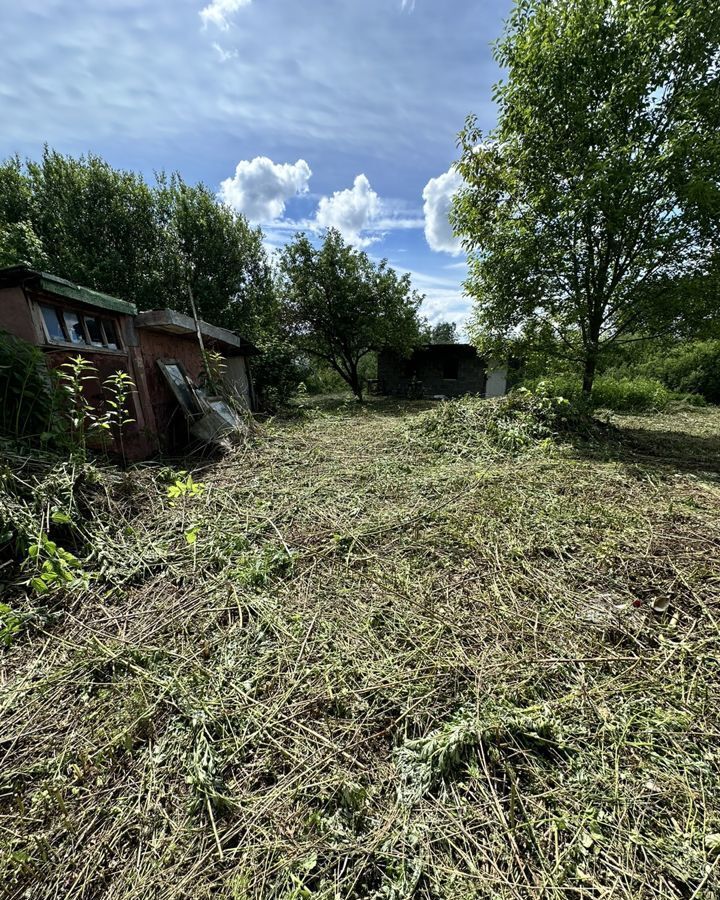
341, 663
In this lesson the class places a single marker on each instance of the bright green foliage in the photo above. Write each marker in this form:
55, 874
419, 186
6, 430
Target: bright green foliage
340, 306
10, 625
692, 367
206, 246
55, 567
118, 388
590, 213
184, 488
20, 245
84, 420
97, 225
621, 393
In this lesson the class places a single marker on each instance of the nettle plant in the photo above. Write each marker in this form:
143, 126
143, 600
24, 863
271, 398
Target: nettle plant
88, 423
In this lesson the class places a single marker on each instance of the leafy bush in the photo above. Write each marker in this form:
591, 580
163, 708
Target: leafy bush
620, 393
690, 368
276, 373
28, 406
520, 420
321, 379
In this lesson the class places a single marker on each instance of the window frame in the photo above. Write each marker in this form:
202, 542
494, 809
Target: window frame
86, 344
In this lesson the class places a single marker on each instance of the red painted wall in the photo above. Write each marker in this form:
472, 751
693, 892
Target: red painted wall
15, 315
154, 345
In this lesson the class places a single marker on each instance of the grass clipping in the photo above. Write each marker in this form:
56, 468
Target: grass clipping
520, 421
340, 665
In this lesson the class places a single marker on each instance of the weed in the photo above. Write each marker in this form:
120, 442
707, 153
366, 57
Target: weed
55, 567
184, 488
10, 624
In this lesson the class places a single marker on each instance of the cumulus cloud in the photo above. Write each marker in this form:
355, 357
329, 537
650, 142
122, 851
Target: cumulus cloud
437, 201
260, 188
352, 212
218, 12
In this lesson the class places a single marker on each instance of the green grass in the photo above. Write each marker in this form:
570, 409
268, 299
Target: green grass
362, 664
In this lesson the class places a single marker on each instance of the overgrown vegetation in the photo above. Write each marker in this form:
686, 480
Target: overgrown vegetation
28, 402
341, 664
109, 229
622, 393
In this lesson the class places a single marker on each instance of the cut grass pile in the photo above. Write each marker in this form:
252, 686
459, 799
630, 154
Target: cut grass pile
342, 664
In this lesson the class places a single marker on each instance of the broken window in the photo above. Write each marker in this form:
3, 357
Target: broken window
181, 386
53, 324
66, 327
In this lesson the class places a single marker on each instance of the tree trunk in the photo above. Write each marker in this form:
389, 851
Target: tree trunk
589, 373
356, 384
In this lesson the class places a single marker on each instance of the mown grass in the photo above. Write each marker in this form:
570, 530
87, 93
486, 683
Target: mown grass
377, 668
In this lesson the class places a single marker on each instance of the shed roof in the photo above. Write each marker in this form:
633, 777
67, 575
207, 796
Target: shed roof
14, 276
439, 350
170, 321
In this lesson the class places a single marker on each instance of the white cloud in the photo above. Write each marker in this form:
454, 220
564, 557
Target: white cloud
260, 188
352, 212
437, 196
224, 55
445, 298
218, 12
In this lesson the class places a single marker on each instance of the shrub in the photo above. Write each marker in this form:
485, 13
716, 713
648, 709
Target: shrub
28, 405
620, 393
690, 368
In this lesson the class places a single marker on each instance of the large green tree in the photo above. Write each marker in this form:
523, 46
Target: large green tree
340, 306
590, 213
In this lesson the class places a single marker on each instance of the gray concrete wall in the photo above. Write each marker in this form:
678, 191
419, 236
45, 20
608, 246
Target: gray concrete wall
431, 368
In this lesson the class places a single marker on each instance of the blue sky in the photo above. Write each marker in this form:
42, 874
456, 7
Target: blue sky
300, 113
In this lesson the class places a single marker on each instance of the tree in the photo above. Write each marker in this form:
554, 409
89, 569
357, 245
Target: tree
443, 333
211, 249
97, 225
340, 306
596, 198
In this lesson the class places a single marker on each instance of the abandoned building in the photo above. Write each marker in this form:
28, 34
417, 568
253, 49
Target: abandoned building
159, 350
439, 370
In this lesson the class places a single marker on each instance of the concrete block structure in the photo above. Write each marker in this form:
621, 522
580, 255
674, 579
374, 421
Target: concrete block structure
439, 370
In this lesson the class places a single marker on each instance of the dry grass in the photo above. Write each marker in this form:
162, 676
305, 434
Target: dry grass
380, 671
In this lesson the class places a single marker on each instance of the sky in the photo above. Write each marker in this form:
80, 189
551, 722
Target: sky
300, 114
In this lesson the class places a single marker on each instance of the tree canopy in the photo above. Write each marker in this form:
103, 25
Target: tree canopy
443, 333
590, 213
340, 306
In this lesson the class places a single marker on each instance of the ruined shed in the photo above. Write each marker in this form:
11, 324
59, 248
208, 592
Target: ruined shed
65, 320
440, 370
